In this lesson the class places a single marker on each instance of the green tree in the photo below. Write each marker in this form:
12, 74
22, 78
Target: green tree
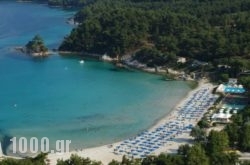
76, 160
183, 150
114, 162
244, 139
232, 130
203, 123
36, 45
196, 156
224, 77
198, 133
38, 160
163, 159
245, 81
217, 142
225, 159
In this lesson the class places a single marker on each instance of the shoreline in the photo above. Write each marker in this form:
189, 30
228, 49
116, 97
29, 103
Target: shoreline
106, 154
168, 74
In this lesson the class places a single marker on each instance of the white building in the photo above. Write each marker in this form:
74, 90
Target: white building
221, 117
181, 60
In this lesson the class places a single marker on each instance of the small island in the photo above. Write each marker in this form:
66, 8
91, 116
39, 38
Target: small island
36, 47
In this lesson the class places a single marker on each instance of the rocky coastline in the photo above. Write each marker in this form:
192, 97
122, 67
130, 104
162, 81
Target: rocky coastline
23, 50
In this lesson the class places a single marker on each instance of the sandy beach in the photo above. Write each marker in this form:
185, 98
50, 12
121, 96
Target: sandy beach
107, 153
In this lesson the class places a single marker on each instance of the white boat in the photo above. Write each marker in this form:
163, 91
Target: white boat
81, 62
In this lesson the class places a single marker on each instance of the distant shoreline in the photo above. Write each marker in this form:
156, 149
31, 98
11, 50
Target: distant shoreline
168, 73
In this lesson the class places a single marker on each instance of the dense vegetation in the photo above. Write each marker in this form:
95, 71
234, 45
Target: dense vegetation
204, 30
107, 27
39, 160
239, 131
36, 45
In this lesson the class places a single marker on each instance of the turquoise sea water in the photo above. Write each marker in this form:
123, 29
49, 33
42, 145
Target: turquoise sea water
90, 104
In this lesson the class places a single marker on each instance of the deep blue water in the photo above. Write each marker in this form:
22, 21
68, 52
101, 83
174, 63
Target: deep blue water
58, 98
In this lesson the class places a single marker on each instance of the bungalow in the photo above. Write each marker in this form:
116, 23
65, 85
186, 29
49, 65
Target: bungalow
221, 117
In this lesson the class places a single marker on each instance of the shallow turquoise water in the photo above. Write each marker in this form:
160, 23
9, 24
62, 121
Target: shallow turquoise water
58, 98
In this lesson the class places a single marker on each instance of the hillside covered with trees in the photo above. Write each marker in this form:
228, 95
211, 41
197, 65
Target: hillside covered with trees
204, 30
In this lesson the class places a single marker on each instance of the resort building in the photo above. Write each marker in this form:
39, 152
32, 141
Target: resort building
221, 117
233, 101
231, 87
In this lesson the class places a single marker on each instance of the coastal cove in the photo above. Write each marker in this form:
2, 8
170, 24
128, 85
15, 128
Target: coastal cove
91, 104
